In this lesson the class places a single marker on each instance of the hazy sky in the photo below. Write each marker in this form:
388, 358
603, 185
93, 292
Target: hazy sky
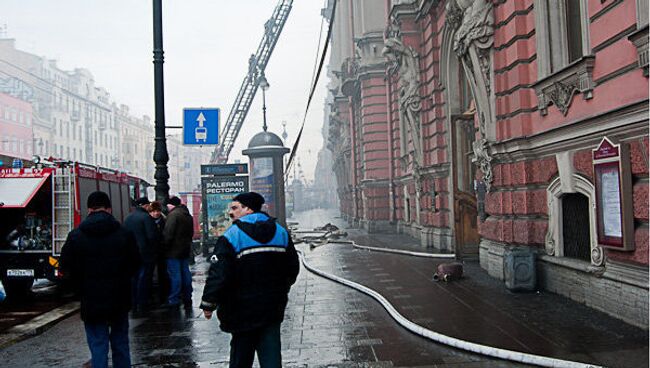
207, 44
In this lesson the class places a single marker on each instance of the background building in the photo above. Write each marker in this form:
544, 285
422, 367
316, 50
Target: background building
16, 130
471, 125
47, 111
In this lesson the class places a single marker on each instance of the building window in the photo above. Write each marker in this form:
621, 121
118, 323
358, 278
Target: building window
574, 30
562, 29
640, 37
575, 226
564, 60
572, 221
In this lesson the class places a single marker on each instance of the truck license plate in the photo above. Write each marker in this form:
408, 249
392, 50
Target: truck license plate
23, 273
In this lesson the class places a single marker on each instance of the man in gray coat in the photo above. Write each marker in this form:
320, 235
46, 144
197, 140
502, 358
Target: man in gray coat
143, 228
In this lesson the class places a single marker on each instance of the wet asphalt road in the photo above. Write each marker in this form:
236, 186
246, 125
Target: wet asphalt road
326, 325
44, 297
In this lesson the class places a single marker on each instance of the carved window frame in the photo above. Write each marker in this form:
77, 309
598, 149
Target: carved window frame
558, 85
640, 37
554, 244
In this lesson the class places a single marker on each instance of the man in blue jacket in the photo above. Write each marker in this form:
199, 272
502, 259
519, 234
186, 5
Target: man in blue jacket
252, 269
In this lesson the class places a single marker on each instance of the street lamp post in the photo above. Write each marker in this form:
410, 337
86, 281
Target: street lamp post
160, 155
264, 85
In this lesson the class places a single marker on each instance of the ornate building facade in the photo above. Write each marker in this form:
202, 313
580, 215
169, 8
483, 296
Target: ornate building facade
472, 125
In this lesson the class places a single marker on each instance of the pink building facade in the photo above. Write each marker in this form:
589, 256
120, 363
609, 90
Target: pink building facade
472, 126
16, 132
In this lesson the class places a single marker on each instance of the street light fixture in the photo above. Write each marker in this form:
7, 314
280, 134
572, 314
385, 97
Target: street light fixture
264, 85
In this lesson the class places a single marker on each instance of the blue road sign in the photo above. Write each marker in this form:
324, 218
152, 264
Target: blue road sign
201, 126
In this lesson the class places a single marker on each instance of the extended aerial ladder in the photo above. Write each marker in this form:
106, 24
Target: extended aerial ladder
256, 66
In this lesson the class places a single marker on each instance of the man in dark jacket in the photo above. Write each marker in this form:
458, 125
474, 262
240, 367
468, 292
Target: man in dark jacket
177, 234
99, 258
253, 266
143, 227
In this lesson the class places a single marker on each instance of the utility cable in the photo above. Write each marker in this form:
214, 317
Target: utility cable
311, 92
320, 39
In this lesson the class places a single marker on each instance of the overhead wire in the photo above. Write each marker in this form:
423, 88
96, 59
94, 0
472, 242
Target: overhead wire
313, 89
320, 39
45, 81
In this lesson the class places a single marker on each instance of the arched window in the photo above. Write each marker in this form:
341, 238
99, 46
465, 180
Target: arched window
572, 221
575, 226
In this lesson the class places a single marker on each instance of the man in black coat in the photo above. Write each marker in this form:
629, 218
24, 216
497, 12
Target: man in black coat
252, 269
143, 227
99, 258
177, 234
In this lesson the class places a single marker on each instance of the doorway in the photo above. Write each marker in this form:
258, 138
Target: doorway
465, 206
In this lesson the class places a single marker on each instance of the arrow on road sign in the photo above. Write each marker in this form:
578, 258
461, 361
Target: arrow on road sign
201, 119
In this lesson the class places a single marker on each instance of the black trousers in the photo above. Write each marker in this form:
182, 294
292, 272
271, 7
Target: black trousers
264, 340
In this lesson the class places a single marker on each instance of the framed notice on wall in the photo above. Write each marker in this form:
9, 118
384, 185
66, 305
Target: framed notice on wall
612, 176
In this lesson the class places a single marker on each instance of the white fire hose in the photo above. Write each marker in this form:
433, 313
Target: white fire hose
504, 354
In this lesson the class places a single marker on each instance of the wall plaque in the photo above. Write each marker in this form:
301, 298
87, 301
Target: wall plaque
615, 217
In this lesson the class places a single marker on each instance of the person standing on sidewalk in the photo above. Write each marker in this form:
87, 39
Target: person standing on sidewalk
143, 228
99, 259
155, 211
177, 234
253, 266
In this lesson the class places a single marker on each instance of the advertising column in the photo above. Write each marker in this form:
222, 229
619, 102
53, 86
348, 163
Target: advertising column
219, 185
262, 181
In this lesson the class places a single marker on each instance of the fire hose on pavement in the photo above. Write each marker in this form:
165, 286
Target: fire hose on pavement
504, 354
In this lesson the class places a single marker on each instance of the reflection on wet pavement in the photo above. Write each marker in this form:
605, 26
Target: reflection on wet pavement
330, 325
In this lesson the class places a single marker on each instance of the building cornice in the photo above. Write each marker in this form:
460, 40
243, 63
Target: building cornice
425, 8
373, 183
627, 122
404, 9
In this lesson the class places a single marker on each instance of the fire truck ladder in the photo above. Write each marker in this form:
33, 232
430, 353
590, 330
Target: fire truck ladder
63, 203
256, 66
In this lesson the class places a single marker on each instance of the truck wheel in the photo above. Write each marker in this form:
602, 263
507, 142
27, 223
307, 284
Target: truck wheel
17, 287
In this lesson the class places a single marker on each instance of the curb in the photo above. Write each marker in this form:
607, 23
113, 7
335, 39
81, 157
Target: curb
37, 325
395, 251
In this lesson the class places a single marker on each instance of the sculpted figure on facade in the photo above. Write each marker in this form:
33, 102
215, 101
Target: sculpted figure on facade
484, 160
410, 101
473, 22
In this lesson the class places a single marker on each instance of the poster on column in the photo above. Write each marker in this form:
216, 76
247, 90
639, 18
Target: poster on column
262, 181
218, 192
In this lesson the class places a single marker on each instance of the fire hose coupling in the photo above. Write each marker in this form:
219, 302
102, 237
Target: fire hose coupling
448, 272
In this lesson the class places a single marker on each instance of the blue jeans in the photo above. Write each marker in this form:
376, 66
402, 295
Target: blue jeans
264, 340
98, 336
143, 281
180, 281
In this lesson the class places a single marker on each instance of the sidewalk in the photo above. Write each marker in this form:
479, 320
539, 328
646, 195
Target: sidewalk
479, 308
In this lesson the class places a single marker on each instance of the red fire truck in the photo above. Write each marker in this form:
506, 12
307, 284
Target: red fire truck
39, 206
